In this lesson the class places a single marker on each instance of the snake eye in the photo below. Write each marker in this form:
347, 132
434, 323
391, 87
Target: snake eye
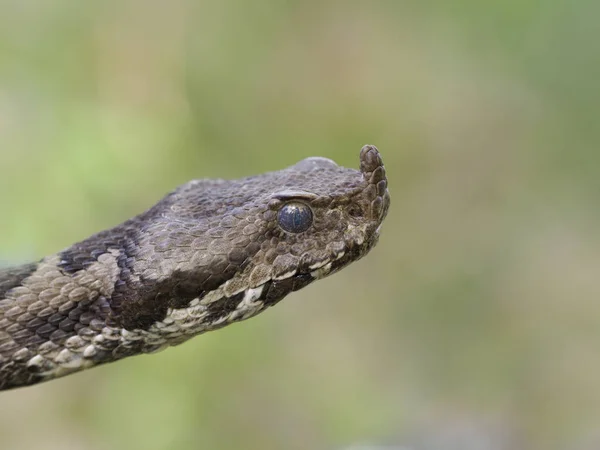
295, 217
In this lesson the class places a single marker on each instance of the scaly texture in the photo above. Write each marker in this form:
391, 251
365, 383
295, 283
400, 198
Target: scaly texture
210, 253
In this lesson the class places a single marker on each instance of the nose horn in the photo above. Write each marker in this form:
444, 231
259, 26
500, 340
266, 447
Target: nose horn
371, 165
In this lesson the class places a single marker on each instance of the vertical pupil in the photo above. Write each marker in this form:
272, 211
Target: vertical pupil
297, 216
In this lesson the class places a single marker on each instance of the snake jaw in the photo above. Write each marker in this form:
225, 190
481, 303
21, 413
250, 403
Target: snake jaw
210, 253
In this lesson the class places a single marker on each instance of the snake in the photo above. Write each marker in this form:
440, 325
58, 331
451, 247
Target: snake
210, 253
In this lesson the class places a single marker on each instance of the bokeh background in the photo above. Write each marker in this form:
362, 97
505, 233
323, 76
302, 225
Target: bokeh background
476, 321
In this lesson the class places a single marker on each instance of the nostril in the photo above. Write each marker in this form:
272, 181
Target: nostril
355, 211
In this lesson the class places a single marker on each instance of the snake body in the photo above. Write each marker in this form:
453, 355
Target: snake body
210, 253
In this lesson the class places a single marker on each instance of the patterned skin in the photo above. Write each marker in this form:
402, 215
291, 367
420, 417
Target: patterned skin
210, 253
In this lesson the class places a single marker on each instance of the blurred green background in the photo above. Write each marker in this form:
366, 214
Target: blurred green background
480, 306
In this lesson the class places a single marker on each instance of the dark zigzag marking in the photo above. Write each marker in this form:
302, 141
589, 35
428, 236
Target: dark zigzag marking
123, 237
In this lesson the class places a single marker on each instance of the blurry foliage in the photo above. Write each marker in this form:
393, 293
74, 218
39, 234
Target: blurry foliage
481, 300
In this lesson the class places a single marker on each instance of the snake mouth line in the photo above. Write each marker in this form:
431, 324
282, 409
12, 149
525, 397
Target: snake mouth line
217, 309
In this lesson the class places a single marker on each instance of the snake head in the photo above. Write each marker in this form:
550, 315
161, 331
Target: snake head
316, 218
228, 249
